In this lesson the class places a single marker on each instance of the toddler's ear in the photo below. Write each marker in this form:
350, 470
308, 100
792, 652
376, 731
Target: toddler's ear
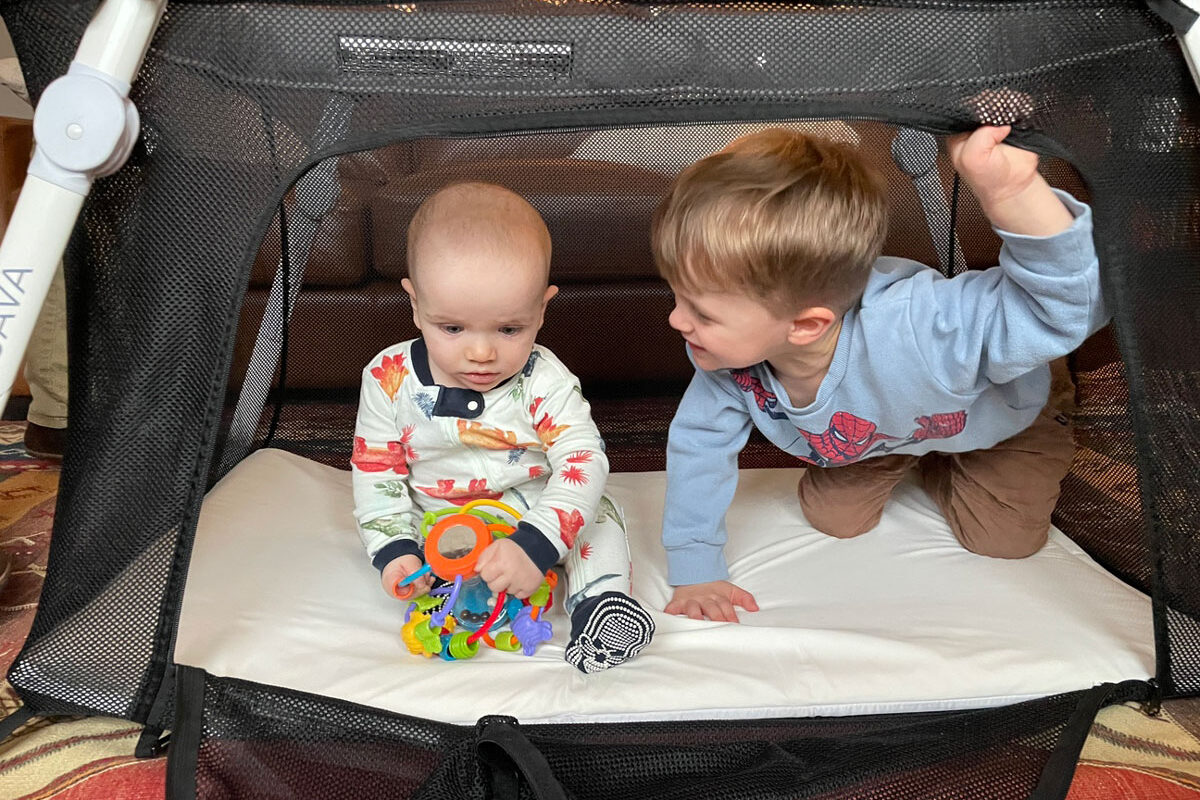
810, 324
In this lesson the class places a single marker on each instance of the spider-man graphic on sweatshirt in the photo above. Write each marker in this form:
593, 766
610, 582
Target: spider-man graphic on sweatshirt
923, 363
848, 437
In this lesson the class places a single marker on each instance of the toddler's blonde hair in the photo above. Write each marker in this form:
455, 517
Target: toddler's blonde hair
790, 219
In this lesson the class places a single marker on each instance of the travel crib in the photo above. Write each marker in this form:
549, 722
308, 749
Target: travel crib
227, 285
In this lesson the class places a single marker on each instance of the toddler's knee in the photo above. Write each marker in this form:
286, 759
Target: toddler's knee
1015, 546
839, 526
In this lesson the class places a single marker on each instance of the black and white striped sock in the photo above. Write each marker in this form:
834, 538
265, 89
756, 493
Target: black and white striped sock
607, 630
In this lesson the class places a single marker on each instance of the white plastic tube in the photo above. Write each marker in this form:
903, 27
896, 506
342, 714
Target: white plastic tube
1190, 42
118, 37
109, 56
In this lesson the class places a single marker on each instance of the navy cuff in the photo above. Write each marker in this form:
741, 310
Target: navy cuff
394, 549
535, 544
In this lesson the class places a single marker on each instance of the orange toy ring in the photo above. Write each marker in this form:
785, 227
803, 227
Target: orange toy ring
451, 568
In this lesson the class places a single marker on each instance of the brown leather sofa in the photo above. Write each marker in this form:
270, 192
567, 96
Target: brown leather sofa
596, 190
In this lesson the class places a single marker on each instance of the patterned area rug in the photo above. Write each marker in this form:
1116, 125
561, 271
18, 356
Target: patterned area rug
1129, 755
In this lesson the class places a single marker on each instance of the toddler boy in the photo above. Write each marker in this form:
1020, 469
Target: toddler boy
865, 367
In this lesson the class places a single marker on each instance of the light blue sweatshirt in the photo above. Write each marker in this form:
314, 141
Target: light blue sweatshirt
923, 363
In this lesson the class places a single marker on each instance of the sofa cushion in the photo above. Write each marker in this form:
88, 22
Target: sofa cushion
379, 165
432, 153
339, 255
598, 213
331, 355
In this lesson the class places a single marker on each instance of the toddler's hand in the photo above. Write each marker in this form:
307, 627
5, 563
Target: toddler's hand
714, 600
505, 567
996, 172
400, 568
1011, 191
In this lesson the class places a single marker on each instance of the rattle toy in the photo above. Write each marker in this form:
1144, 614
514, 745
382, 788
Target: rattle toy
454, 617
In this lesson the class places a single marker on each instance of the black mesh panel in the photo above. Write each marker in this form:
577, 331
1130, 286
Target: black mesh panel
258, 741
239, 100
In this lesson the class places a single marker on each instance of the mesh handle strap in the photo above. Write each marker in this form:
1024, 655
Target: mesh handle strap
1060, 766
14, 720
916, 155
510, 756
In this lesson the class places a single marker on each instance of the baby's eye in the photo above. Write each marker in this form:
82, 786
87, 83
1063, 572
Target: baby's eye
511, 330
451, 329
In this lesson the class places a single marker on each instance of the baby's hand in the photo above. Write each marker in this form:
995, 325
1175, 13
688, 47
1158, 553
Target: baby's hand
400, 568
714, 600
505, 567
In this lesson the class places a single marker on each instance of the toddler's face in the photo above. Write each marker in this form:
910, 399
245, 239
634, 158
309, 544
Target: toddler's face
728, 330
479, 320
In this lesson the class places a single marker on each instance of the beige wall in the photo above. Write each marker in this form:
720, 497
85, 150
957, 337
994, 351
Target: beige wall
10, 104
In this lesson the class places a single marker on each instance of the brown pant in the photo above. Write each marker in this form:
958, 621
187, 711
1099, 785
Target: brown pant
998, 501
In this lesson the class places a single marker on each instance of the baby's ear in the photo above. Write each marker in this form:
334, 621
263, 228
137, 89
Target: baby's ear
551, 290
407, 285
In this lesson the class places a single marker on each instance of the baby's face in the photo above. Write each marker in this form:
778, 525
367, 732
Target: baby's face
479, 320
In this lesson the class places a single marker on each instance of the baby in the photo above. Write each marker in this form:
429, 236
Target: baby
474, 409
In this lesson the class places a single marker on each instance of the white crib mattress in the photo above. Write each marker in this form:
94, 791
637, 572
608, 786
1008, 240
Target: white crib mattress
899, 619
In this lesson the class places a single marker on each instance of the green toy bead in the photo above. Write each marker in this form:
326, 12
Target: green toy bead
460, 647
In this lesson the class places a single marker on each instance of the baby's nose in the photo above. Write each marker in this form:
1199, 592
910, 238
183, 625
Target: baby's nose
481, 351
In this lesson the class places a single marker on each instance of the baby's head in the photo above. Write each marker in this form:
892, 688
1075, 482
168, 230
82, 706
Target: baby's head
478, 272
790, 220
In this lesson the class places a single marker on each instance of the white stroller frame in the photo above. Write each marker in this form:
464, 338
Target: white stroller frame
84, 127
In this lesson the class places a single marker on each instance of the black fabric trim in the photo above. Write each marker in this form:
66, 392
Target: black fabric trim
394, 549
509, 757
14, 720
454, 402
419, 356
185, 739
535, 544
451, 401
1059, 770
152, 742
1179, 16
